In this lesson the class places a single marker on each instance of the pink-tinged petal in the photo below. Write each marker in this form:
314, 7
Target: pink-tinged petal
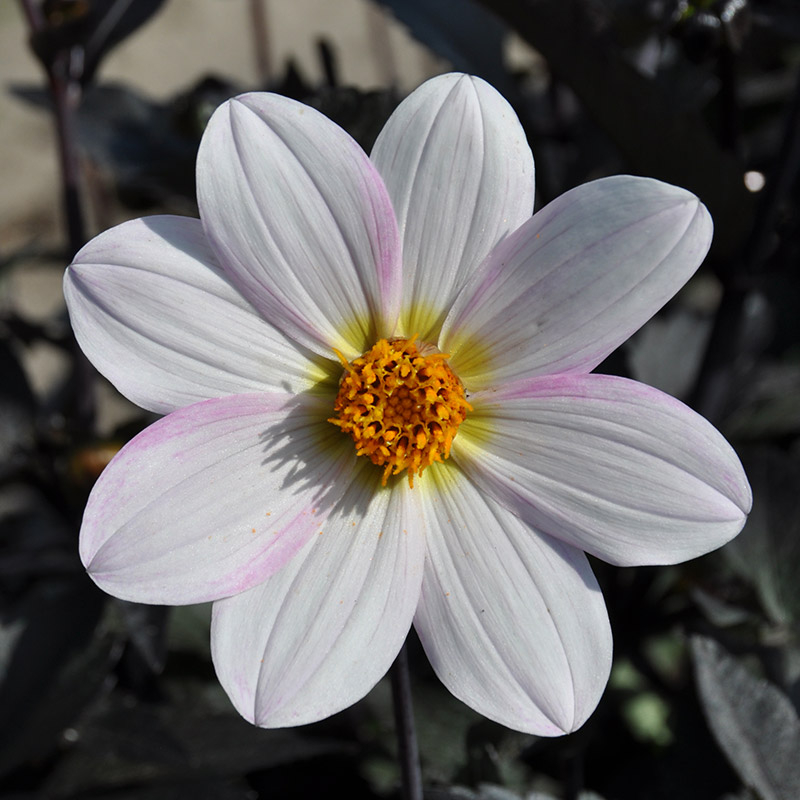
213, 498
609, 465
301, 222
318, 635
155, 314
513, 622
460, 174
573, 283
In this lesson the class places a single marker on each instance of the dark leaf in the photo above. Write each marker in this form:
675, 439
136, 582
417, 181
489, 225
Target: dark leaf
190, 630
722, 614
753, 722
655, 138
362, 114
122, 744
461, 32
488, 791
146, 148
196, 789
147, 626
768, 405
138, 142
667, 351
17, 409
779, 16
51, 670
767, 552
91, 26
35, 543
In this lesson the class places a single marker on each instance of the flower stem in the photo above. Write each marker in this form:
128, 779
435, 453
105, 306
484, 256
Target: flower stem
404, 724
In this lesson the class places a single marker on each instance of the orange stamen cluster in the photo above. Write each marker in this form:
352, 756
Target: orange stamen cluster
401, 408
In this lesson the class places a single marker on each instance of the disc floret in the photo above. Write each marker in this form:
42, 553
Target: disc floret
401, 406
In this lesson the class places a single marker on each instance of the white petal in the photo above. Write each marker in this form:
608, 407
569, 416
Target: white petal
213, 498
513, 622
568, 287
460, 174
154, 313
301, 222
317, 636
606, 464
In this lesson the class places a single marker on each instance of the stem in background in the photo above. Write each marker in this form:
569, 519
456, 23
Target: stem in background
404, 725
33, 15
261, 42
713, 385
730, 135
65, 93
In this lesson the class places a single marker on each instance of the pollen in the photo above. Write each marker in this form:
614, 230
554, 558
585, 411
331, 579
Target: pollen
401, 406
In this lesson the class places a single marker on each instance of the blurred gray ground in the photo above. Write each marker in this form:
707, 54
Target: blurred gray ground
185, 41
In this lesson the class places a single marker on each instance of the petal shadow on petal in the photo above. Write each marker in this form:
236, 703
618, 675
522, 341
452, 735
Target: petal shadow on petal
318, 441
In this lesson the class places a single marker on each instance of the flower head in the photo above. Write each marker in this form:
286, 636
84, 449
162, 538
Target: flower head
376, 375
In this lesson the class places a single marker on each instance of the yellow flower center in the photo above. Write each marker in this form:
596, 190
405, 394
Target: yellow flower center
401, 407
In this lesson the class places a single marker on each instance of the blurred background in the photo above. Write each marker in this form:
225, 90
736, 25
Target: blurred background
102, 106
